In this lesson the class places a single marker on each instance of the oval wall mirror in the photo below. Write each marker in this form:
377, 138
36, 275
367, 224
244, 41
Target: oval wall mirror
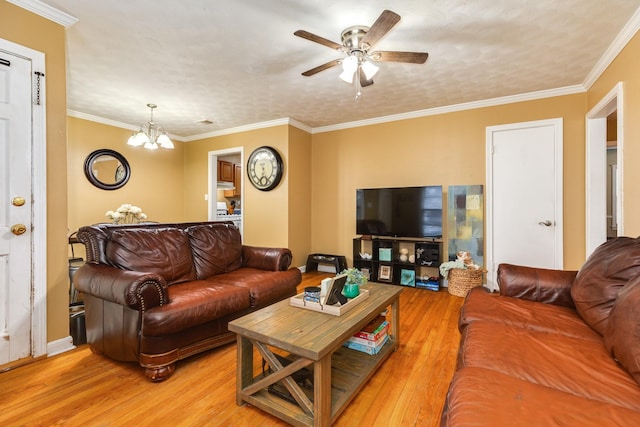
107, 169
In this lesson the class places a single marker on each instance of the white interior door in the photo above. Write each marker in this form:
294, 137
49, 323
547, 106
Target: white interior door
15, 208
524, 196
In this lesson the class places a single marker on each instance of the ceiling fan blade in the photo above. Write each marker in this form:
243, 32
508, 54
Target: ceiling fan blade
383, 24
363, 80
322, 67
312, 37
410, 57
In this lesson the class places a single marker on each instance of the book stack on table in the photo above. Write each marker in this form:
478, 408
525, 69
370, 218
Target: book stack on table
371, 338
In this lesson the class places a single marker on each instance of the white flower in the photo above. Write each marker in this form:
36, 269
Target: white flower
126, 214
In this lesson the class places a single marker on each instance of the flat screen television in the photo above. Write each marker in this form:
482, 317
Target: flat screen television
400, 212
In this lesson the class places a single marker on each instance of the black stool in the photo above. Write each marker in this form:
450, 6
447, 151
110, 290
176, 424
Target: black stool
339, 262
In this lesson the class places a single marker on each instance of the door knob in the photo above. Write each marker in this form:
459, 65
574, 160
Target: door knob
546, 223
18, 201
18, 229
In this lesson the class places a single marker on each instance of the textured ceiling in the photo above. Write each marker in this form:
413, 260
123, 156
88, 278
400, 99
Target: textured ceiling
238, 63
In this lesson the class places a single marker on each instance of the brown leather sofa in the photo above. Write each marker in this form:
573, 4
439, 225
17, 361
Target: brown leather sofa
157, 293
554, 348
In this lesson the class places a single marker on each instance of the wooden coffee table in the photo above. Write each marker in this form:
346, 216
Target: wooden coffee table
311, 340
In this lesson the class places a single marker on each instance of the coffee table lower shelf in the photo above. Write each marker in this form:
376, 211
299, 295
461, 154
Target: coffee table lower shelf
350, 371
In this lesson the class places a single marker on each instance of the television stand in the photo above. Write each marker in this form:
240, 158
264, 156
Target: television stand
402, 261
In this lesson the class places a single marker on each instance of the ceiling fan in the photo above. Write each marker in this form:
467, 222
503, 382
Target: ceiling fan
357, 42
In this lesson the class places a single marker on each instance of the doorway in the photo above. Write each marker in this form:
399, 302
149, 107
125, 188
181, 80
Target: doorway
22, 205
597, 191
226, 193
524, 196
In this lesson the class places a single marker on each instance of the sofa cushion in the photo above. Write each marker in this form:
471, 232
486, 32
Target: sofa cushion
193, 303
622, 336
217, 249
478, 396
483, 305
265, 287
571, 365
606, 271
164, 251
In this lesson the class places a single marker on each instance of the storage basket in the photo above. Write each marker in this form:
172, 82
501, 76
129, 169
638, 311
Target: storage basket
462, 280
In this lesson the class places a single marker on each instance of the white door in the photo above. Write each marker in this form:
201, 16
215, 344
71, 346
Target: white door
524, 196
15, 208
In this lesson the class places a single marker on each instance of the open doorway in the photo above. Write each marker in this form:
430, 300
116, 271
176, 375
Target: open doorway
604, 166
225, 184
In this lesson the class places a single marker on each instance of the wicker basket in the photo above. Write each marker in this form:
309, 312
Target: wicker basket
461, 281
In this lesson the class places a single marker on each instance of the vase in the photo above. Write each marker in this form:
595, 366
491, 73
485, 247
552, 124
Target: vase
351, 290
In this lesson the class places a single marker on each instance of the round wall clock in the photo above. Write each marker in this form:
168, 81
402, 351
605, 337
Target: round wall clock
264, 168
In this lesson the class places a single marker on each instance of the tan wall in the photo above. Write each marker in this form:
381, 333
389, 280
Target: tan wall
625, 69
299, 169
265, 213
156, 184
446, 149
34, 32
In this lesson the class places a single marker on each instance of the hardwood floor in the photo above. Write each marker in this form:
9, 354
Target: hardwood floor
81, 388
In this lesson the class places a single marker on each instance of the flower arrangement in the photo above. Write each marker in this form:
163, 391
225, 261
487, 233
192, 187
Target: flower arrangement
126, 214
354, 276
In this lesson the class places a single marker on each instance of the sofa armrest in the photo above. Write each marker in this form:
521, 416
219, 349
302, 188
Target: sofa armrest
270, 259
536, 284
137, 290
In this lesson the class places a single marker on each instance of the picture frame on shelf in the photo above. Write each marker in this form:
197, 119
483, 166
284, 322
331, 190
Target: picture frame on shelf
385, 273
408, 277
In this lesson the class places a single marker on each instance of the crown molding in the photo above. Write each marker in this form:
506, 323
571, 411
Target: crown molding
114, 123
46, 11
628, 31
253, 126
549, 93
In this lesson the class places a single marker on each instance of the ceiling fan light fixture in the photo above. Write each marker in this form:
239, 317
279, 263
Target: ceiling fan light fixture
349, 67
369, 69
346, 76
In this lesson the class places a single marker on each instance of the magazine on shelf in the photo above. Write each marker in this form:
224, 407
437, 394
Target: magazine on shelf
365, 348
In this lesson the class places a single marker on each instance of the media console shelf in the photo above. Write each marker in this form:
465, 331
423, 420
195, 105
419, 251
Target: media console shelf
400, 261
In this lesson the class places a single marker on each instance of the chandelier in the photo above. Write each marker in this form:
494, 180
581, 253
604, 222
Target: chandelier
150, 136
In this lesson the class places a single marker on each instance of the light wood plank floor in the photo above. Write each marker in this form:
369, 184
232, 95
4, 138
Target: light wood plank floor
81, 388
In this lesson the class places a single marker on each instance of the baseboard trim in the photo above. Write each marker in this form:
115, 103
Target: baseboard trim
60, 346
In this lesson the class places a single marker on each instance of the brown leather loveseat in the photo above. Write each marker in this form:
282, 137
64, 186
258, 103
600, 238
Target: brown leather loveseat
157, 293
554, 348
